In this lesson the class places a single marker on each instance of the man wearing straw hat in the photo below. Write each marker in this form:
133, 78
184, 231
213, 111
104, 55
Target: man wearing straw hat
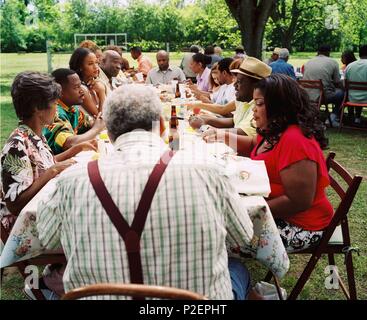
274, 56
249, 73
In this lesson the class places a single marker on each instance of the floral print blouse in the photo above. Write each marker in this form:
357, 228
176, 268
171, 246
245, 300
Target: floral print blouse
24, 158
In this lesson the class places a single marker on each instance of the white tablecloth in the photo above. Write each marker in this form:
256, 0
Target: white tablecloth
266, 246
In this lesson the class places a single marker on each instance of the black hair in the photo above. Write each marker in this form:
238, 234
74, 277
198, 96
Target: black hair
324, 48
194, 49
363, 51
33, 90
348, 56
202, 58
224, 64
286, 104
77, 59
136, 49
61, 75
209, 50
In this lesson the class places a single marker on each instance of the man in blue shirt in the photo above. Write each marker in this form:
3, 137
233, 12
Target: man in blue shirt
281, 65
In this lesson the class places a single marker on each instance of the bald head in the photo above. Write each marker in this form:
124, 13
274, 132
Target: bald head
111, 63
110, 54
163, 60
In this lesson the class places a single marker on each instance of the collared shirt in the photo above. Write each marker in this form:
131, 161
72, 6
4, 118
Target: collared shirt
226, 93
324, 68
144, 64
281, 66
157, 76
203, 81
194, 212
357, 71
185, 65
112, 85
243, 117
69, 121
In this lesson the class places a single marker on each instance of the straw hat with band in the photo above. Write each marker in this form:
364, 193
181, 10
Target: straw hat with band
277, 50
253, 68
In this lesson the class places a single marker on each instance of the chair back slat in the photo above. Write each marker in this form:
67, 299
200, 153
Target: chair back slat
133, 290
311, 84
355, 86
337, 187
342, 172
314, 85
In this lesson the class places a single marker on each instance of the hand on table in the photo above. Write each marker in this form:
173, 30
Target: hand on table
61, 166
90, 145
214, 135
203, 98
196, 122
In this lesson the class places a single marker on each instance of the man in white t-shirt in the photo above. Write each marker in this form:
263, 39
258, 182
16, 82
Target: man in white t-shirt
226, 92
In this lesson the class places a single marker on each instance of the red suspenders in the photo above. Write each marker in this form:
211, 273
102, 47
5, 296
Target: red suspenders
131, 235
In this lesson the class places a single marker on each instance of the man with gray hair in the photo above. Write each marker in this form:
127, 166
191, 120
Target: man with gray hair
164, 73
193, 213
282, 65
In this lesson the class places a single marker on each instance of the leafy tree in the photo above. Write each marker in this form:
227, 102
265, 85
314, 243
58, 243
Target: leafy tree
295, 24
353, 16
12, 27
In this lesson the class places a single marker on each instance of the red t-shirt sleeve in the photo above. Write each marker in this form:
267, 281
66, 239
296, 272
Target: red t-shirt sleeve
294, 147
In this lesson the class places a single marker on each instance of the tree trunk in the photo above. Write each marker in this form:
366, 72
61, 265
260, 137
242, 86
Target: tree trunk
251, 16
289, 33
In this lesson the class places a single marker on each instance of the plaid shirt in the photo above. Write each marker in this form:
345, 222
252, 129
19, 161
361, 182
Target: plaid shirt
194, 212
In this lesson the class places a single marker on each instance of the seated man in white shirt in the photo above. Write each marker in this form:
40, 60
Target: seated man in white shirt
194, 214
164, 73
226, 92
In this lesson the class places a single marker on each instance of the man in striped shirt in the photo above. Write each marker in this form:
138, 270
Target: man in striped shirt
195, 211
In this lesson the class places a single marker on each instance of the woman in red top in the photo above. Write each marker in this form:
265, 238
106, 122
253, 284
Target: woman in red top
290, 138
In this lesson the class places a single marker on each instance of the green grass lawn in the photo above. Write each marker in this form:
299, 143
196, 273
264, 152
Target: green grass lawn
350, 147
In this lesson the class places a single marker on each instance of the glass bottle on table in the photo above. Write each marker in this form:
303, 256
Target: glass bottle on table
177, 92
174, 137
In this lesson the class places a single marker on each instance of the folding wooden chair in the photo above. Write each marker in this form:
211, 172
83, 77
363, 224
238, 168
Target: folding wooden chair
320, 101
41, 260
336, 237
132, 290
355, 86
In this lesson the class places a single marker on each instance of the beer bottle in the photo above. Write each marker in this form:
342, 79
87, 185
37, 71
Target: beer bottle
174, 115
177, 93
174, 137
